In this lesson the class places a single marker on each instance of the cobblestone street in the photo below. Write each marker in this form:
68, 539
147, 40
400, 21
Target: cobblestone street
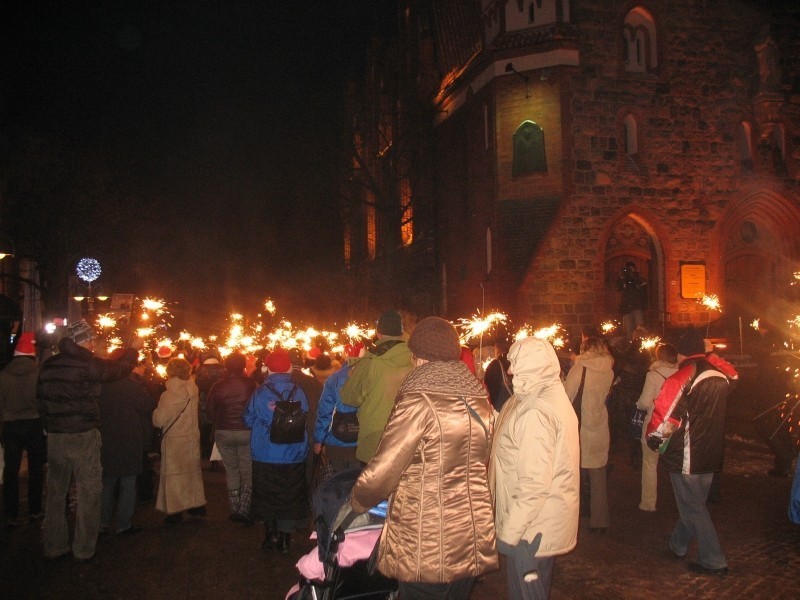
214, 558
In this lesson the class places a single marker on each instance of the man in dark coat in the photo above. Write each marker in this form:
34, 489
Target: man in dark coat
21, 430
67, 393
125, 411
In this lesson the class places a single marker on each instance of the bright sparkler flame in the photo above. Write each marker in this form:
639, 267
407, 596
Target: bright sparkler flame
144, 332
755, 324
711, 302
236, 316
355, 332
153, 305
477, 326
608, 326
648, 343
161, 370
185, 336
795, 322
106, 322
269, 306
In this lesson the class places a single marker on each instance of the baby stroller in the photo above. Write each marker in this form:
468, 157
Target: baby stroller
341, 567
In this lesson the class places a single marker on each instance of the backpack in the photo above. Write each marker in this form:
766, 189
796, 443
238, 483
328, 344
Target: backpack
288, 420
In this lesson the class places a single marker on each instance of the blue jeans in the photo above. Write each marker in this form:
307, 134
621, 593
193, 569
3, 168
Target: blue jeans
125, 504
694, 521
68, 455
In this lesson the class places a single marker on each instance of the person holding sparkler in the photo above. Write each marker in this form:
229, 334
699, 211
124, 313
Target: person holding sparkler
665, 365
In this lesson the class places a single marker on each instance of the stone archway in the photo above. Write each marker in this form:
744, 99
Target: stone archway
758, 242
631, 238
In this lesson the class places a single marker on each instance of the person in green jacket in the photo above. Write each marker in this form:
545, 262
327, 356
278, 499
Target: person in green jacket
374, 380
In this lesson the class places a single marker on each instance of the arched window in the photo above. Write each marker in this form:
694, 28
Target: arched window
746, 146
631, 135
529, 152
639, 35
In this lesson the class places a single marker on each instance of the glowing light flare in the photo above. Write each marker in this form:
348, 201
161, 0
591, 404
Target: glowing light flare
162, 370
145, 332
795, 322
237, 316
755, 324
184, 336
648, 343
153, 305
711, 302
269, 306
608, 326
106, 322
477, 325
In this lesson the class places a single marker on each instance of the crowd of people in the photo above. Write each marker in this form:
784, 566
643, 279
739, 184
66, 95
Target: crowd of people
473, 462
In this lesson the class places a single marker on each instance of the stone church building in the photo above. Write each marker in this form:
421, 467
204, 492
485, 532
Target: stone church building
519, 153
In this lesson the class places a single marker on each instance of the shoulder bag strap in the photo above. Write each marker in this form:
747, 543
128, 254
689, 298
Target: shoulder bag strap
189, 399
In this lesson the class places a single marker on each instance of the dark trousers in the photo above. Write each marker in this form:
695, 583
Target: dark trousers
26, 435
417, 590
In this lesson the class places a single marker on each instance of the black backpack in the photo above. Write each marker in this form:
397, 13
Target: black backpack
288, 420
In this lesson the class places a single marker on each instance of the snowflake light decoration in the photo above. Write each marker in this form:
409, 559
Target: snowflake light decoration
88, 269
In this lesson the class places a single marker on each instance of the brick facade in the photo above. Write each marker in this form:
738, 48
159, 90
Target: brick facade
686, 195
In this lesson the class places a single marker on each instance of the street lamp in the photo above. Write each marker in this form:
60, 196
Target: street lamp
88, 270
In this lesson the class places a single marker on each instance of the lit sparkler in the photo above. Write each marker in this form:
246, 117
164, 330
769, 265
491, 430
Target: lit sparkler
106, 322
711, 302
477, 326
649, 343
608, 327
755, 324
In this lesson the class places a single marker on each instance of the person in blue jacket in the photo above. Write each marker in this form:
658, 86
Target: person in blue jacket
280, 494
340, 452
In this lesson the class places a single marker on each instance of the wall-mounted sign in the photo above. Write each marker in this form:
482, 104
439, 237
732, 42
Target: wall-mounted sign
693, 280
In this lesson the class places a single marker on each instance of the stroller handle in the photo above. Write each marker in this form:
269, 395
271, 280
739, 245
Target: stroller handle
344, 517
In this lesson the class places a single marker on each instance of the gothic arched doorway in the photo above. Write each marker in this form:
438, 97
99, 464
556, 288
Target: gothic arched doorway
632, 239
757, 238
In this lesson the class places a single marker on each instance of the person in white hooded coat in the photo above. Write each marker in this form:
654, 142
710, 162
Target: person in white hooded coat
595, 366
534, 470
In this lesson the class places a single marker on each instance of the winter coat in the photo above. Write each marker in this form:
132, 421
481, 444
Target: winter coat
535, 467
431, 464
258, 417
227, 400
330, 402
372, 387
18, 389
659, 372
692, 402
181, 478
595, 436
69, 386
125, 410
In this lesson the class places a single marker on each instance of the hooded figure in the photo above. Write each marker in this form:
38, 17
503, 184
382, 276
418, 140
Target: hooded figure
534, 470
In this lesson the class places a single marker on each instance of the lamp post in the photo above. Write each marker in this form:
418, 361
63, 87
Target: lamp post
82, 287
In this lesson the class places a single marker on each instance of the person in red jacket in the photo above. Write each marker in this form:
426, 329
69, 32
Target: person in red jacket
688, 427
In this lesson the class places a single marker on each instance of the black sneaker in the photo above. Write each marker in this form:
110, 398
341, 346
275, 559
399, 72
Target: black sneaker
701, 570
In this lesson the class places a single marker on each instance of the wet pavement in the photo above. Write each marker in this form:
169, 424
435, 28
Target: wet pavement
211, 557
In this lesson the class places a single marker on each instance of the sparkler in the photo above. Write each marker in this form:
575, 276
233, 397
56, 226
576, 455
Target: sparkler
711, 302
608, 327
477, 325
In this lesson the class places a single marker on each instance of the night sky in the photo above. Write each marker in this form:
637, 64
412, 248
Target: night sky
190, 147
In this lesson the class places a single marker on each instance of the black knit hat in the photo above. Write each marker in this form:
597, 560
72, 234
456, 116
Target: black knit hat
435, 339
390, 323
691, 343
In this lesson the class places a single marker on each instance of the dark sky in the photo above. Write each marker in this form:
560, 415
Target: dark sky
189, 146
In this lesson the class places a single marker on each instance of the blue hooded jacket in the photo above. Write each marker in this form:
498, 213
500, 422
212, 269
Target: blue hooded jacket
258, 417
